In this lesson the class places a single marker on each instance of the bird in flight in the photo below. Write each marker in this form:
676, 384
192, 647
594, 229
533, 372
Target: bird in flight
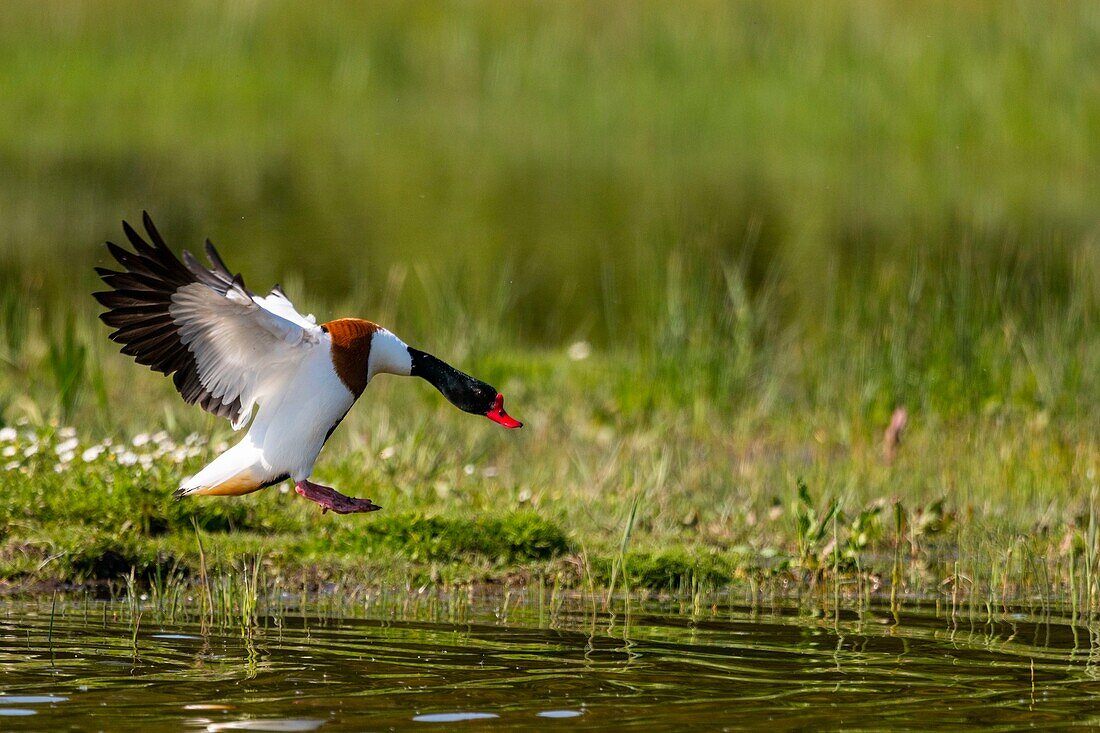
256, 359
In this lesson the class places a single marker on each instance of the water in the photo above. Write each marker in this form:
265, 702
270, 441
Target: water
725, 668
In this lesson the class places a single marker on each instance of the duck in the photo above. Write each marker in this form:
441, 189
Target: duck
258, 362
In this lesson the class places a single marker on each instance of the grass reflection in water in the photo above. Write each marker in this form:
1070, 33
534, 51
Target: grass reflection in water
642, 663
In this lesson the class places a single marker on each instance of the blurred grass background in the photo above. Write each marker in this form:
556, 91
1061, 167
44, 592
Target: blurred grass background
573, 147
775, 222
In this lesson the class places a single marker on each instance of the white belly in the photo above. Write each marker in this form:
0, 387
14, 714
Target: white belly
290, 428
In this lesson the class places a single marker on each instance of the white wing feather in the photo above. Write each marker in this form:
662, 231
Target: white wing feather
245, 347
276, 302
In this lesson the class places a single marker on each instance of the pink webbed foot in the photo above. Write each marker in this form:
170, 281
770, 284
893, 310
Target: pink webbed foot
331, 499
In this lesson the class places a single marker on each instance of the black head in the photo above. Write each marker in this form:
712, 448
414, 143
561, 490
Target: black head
463, 391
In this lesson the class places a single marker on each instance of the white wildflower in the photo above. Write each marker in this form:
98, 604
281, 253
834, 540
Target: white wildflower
160, 437
7, 435
11, 465
90, 454
468, 469
580, 350
9, 451
67, 446
30, 451
221, 447
140, 439
387, 453
65, 457
146, 461
489, 471
127, 458
66, 433
58, 467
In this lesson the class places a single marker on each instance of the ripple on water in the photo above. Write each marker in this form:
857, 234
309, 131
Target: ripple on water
30, 699
286, 725
559, 714
175, 636
655, 667
453, 717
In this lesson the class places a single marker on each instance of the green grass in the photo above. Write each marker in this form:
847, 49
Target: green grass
711, 489
770, 224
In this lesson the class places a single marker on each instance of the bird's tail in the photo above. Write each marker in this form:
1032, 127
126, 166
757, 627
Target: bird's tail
232, 473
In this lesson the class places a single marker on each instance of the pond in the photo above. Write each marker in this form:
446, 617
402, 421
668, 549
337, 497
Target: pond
85, 665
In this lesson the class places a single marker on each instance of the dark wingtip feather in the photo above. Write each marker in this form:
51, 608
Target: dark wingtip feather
138, 308
152, 230
117, 252
132, 235
106, 299
189, 260
216, 259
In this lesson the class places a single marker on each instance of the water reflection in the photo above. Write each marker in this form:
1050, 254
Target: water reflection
453, 717
559, 714
281, 726
729, 667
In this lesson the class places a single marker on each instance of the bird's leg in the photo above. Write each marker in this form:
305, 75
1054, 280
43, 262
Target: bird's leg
330, 498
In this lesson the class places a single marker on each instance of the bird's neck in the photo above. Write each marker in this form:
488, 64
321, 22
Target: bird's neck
455, 385
388, 355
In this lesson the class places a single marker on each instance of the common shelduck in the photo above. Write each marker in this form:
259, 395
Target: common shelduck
232, 352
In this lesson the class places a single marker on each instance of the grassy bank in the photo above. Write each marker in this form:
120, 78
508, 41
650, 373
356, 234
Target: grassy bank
664, 468
707, 255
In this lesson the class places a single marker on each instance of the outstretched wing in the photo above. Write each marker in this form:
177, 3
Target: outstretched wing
226, 347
